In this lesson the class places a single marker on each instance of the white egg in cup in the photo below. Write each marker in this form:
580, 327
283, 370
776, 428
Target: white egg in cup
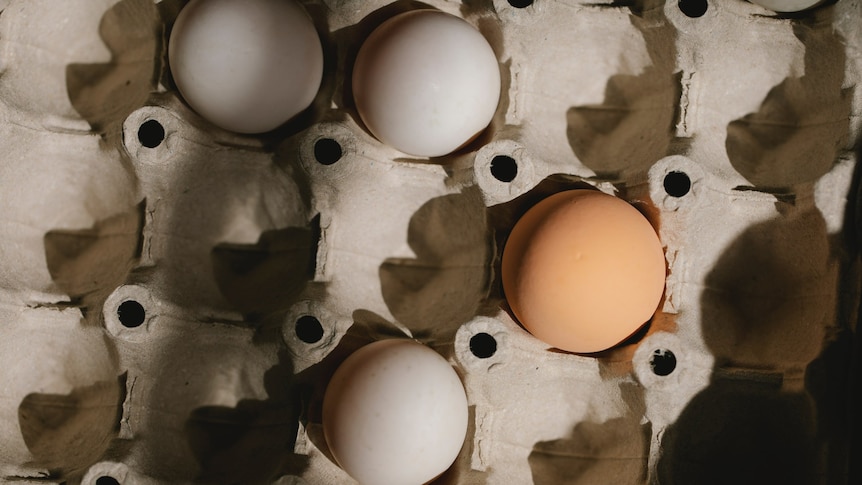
247, 66
426, 82
395, 412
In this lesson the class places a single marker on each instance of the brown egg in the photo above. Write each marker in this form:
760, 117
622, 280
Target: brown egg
583, 270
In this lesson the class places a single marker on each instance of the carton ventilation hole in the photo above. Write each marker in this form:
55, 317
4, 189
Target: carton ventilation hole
131, 314
693, 8
483, 345
151, 133
106, 480
308, 329
520, 3
677, 184
504, 168
327, 151
663, 362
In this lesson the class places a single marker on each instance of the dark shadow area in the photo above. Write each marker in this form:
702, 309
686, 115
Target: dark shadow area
771, 293
829, 380
267, 276
231, 244
803, 122
201, 202
253, 441
615, 451
184, 434
474, 8
742, 432
834, 379
443, 286
105, 93
853, 233
67, 433
772, 302
90, 262
634, 126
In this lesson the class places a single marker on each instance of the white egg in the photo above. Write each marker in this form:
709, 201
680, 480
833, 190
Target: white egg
787, 5
395, 412
426, 83
246, 66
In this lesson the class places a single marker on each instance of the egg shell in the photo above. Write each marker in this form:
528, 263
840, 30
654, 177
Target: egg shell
583, 270
787, 6
395, 412
426, 83
246, 66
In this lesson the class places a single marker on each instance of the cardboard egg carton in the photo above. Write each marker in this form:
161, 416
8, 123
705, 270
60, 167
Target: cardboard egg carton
175, 296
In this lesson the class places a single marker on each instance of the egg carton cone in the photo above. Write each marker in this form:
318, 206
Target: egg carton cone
176, 296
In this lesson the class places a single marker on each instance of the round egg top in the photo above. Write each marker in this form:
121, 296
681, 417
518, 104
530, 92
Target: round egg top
583, 270
787, 6
246, 66
426, 83
395, 412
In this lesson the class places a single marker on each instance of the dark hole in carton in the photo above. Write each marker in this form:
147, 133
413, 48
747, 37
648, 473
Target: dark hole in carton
504, 168
663, 362
106, 480
483, 345
308, 329
693, 8
151, 133
677, 184
327, 151
520, 3
131, 314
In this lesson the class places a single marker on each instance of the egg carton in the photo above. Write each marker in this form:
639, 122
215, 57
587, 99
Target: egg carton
175, 297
